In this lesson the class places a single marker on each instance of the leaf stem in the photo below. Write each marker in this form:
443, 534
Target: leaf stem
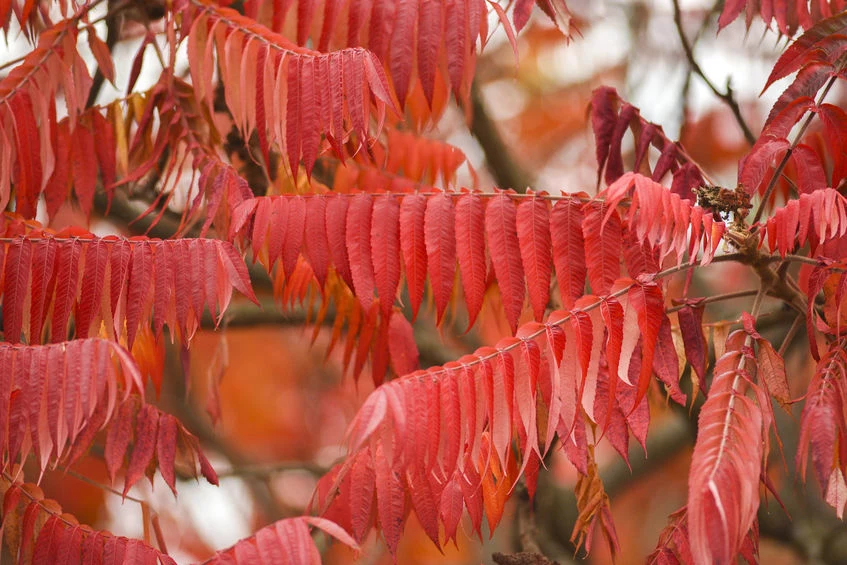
107, 488
39, 502
716, 298
789, 337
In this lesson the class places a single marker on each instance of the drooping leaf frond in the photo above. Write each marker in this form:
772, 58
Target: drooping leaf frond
81, 381
423, 44
37, 531
284, 541
789, 15
524, 237
288, 94
611, 118
146, 438
723, 484
441, 433
116, 282
28, 128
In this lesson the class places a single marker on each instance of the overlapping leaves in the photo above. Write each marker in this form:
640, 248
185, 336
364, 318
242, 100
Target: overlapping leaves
611, 118
28, 125
369, 240
114, 283
818, 56
81, 381
37, 531
423, 44
444, 433
288, 94
788, 15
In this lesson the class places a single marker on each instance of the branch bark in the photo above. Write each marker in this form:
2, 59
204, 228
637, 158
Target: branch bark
507, 172
727, 97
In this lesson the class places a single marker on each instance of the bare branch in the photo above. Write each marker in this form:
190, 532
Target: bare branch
507, 172
727, 97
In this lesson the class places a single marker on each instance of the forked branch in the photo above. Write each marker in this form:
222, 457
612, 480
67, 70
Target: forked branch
727, 97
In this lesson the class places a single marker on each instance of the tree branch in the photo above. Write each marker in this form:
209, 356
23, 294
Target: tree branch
507, 172
727, 97
112, 33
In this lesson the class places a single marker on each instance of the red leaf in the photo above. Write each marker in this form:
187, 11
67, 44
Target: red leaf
293, 242
456, 41
772, 372
501, 229
385, 247
401, 345
359, 248
723, 493
568, 250
470, 247
261, 221
649, 306
118, 438
412, 242
56, 191
440, 238
28, 182
166, 449
694, 342
523, 8
361, 494
317, 247
84, 167
94, 273
501, 415
535, 242
602, 248
451, 506
146, 433
310, 119
102, 55
391, 501
138, 294
18, 267
402, 51
666, 363
430, 30
424, 501
336, 229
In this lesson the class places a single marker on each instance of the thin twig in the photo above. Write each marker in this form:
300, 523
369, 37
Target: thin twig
789, 337
727, 97
716, 298
270, 469
107, 488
